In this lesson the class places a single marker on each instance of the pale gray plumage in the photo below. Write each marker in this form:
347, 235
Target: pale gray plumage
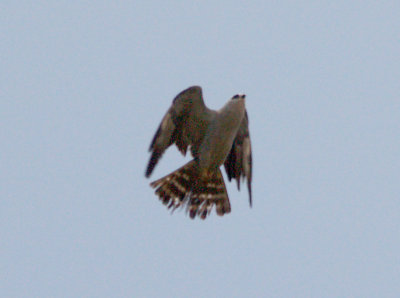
214, 138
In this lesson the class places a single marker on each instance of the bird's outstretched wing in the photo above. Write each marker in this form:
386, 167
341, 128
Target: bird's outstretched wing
238, 164
184, 124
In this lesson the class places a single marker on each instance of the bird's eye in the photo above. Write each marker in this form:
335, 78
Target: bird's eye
236, 96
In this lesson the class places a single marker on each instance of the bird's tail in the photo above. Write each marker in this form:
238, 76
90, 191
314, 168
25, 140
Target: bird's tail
198, 190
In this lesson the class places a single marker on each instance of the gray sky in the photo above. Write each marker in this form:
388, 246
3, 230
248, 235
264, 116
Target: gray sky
83, 88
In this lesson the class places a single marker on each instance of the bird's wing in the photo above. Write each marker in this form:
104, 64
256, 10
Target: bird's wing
238, 164
184, 124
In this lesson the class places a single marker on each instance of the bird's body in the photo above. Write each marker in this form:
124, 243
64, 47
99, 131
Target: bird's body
214, 138
220, 133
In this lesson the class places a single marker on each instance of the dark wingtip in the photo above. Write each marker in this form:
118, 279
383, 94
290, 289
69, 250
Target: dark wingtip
149, 169
152, 163
148, 173
250, 197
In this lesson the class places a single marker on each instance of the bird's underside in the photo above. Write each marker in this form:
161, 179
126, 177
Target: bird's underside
214, 138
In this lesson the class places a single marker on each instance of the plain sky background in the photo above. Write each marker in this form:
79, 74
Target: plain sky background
83, 87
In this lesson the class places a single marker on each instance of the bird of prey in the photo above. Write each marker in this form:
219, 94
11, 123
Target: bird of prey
213, 138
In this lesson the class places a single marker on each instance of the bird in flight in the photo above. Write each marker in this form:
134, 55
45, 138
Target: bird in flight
213, 138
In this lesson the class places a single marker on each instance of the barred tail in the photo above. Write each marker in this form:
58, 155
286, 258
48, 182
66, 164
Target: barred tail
198, 190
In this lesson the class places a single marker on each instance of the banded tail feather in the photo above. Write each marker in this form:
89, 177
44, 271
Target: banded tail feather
198, 191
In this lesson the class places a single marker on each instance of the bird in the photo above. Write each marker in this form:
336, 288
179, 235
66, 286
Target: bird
214, 138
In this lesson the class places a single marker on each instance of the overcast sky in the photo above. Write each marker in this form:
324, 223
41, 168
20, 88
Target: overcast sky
83, 87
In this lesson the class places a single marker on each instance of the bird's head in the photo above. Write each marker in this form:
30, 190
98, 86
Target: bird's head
238, 97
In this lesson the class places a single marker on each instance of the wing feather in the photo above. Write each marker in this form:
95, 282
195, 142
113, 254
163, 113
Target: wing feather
238, 164
184, 124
